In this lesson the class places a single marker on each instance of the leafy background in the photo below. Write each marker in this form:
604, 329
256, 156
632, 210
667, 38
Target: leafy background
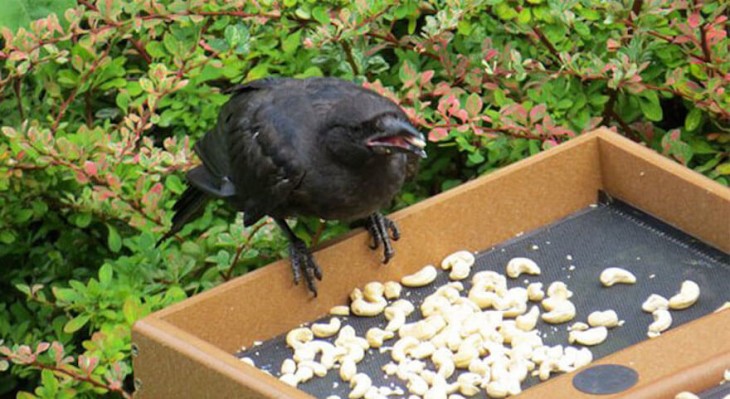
101, 100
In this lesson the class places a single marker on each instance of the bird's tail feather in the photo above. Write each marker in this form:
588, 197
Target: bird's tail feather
190, 205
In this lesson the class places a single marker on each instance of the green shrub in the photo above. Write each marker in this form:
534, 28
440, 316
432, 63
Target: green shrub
100, 102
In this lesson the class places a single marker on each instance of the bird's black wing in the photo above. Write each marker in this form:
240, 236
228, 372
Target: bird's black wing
256, 147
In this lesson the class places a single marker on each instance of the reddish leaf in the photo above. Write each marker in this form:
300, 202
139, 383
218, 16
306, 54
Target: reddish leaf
694, 20
437, 134
537, 112
90, 168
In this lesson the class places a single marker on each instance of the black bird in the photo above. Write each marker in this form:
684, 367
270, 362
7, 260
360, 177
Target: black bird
320, 147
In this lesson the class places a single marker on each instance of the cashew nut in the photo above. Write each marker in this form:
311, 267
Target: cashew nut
298, 337
304, 374
518, 266
248, 361
373, 291
420, 278
289, 379
417, 385
288, 366
348, 369
392, 289
464, 257
340, 310
687, 296
654, 303
491, 281
360, 384
562, 311
528, 321
607, 318
559, 289
422, 350
376, 336
442, 359
616, 275
535, 292
662, 321
725, 306
589, 337
469, 383
324, 330
318, 368
459, 271
497, 389
396, 317
398, 353
361, 307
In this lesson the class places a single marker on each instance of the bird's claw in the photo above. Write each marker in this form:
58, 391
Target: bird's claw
302, 262
383, 230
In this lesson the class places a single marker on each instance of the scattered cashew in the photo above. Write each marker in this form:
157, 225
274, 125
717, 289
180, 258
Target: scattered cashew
361, 307
589, 337
725, 306
616, 275
340, 310
360, 384
298, 337
348, 369
562, 311
392, 289
528, 321
559, 289
535, 292
463, 257
304, 374
373, 291
376, 336
289, 379
318, 368
248, 361
420, 278
655, 302
607, 318
324, 330
459, 271
519, 266
288, 366
396, 317
662, 321
687, 296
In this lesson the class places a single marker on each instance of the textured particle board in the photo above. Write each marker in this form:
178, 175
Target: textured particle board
185, 350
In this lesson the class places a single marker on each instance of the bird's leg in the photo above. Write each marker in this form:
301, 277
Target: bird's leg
379, 226
301, 259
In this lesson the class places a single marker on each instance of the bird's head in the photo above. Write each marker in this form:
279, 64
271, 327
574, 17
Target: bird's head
390, 133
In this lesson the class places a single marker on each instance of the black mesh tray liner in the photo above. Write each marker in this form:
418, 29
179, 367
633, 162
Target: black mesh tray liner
574, 250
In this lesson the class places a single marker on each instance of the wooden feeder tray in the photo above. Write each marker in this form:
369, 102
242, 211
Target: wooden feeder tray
526, 209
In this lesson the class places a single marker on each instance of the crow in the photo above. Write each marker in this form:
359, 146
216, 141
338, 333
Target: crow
321, 147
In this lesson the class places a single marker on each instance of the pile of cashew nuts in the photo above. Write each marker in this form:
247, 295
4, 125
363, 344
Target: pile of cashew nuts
483, 339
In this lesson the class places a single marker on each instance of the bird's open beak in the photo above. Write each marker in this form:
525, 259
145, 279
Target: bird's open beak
398, 135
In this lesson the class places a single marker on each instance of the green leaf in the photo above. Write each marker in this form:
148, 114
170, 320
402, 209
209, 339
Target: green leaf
19, 13
723, 169
82, 220
65, 294
692, 122
76, 323
291, 42
321, 15
105, 274
174, 184
7, 237
50, 384
650, 107
114, 241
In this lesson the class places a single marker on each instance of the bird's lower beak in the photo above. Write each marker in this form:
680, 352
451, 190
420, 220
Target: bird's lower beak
400, 136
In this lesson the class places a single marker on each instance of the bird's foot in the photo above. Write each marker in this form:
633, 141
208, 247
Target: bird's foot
302, 262
382, 231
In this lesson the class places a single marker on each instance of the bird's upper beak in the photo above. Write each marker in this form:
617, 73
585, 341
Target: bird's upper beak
397, 135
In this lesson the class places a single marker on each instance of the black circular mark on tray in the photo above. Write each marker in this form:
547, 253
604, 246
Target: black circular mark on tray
605, 379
